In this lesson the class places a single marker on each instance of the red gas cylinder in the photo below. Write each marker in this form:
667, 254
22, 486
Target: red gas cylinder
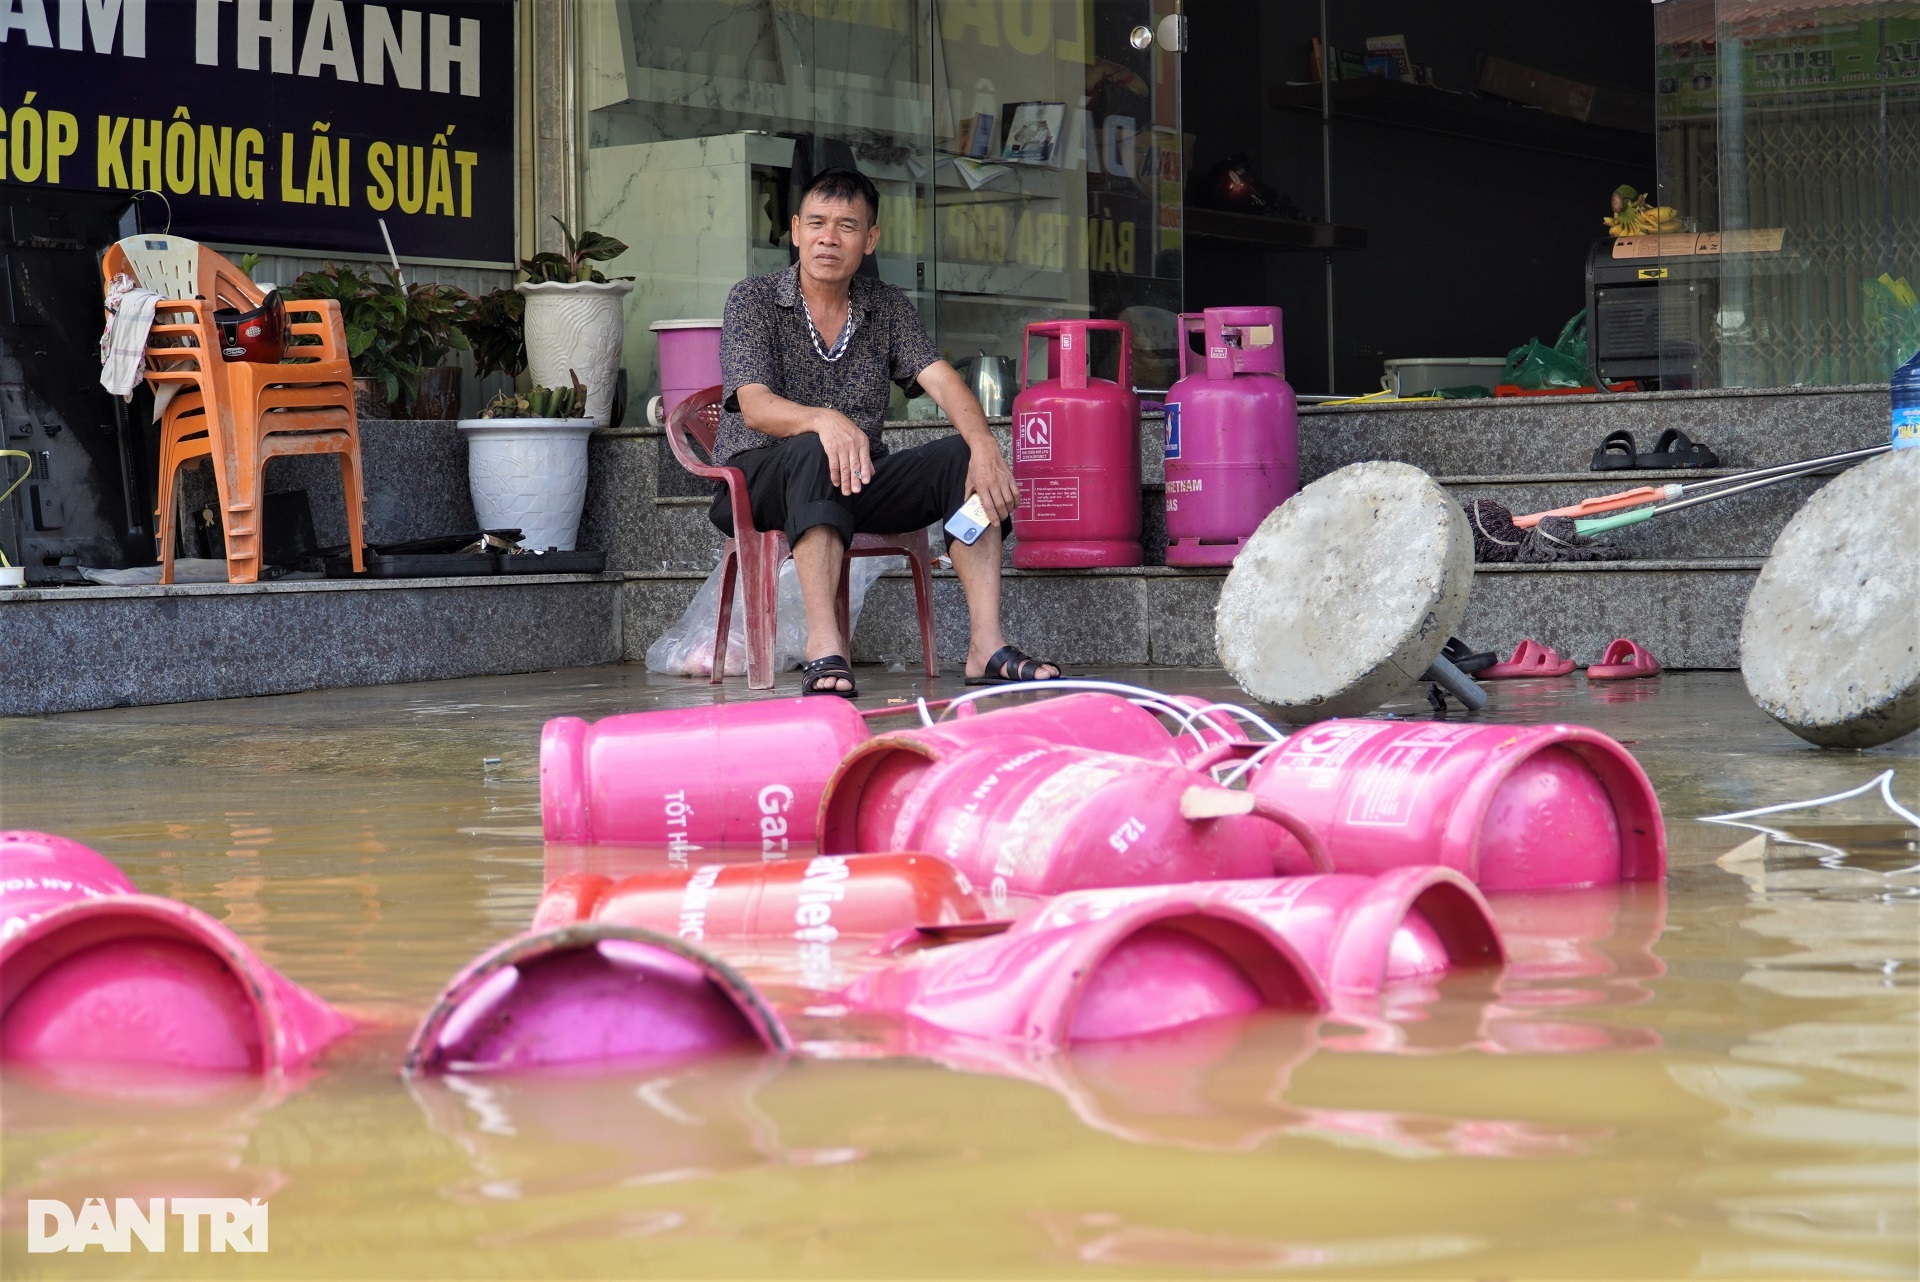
1076, 455
820, 899
1512, 807
1233, 435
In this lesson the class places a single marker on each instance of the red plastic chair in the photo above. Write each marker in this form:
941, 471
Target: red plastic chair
755, 556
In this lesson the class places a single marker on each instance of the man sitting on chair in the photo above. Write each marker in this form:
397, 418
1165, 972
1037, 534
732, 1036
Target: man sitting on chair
806, 355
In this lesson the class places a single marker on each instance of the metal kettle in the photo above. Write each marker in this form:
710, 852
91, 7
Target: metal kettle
991, 379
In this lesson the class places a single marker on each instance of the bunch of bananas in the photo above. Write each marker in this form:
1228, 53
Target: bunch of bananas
1632, 216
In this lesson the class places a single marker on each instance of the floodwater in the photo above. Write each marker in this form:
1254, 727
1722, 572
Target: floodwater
1714, 1078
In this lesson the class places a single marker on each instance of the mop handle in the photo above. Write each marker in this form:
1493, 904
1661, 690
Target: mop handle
8, 492
1603, 503
1600, 524
1656, 493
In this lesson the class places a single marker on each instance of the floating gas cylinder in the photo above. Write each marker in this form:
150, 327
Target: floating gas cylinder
1358, 933
1232, 435
1021, 816
736, 774
822, 898
1140, 970
1076, 455
593, 993
1511, 807
94, 973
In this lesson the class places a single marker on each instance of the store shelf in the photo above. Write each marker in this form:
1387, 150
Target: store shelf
1395, 104
1206, 226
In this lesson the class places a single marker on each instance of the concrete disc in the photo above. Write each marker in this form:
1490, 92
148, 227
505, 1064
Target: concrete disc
1346, 593
1830, 643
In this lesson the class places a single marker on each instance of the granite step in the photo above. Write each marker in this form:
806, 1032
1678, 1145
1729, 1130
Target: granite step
1686, 611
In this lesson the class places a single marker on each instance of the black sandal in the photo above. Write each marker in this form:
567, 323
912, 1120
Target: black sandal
830, 667
1012, 664
1615, 452
1675, 449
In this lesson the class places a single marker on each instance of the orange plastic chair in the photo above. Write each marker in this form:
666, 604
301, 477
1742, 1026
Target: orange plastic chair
240, 414
754, 556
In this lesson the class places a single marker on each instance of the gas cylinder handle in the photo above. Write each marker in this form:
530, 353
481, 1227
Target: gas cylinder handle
1214, 802
1219, 358
1189, 323
1060, 331
1221, 753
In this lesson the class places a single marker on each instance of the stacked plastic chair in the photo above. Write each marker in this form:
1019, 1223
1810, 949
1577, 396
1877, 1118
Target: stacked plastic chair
238, 413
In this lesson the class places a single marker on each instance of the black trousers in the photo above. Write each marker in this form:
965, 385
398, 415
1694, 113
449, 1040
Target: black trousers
790, 488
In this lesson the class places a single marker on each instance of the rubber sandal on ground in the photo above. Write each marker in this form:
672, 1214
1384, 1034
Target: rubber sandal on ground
1616, 451
1466, 658
1624, 659
1530, 659
1675, 449
828, 667
1010, 664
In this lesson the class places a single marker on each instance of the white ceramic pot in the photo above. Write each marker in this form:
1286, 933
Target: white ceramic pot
576, 326
529, 473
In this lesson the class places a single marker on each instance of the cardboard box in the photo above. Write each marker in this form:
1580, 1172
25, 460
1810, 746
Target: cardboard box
1606, 105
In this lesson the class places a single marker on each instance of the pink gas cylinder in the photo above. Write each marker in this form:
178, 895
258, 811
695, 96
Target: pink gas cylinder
1233, 435
94, 973
1143, 969
1358, 933
1512, 807
1076, 455
1020, 817
820, 899
737, 774
1096, 720
689, 362
592, 993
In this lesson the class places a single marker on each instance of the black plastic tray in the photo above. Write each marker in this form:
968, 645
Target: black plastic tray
576, 562
436, 565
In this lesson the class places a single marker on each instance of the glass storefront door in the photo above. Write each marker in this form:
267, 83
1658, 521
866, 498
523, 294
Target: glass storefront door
1028, 155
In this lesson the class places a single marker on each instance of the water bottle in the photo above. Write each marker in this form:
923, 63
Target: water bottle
1906, 404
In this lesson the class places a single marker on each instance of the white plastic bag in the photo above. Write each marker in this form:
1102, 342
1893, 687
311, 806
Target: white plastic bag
686, 648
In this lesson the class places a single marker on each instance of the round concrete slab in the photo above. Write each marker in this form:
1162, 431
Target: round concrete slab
1346, 593
1830, 643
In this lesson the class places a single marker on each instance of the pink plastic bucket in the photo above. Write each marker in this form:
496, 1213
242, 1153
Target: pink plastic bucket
737, 774
1020, 816
1145, 969
689, 360
1358, 933
591, 994
1511, 807
92, 972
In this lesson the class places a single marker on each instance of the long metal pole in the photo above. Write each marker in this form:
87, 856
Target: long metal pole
1327, 63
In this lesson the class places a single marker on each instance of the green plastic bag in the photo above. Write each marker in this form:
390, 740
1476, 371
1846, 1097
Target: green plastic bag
1533, 365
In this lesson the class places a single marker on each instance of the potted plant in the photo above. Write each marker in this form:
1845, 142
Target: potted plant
527, 464
398, 338
574, 318
495, 326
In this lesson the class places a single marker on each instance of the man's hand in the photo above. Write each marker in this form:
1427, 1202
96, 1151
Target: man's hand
849, 455
989, 476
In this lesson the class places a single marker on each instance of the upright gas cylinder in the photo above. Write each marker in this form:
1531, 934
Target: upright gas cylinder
1076, 455
1233, 435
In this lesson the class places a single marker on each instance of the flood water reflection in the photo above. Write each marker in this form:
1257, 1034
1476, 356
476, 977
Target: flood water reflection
1714, 1077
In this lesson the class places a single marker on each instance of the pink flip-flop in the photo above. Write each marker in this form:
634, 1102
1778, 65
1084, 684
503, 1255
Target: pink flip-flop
1622, 660
1530, 659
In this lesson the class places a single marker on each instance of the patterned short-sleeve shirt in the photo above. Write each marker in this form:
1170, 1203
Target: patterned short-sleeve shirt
766, 338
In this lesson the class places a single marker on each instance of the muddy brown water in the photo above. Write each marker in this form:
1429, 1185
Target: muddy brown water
1713, 1078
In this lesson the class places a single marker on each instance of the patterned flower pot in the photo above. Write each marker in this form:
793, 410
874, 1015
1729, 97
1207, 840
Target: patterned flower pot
529, 474
576, 327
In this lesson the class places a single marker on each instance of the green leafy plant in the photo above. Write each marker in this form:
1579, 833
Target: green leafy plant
541, 402
576, 264
393, 330
495, 326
